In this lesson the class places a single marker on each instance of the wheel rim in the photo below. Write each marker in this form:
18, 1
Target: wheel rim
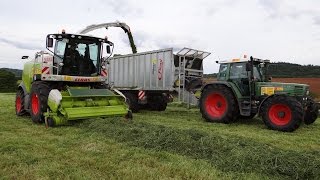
280, 114
18, 104
35, 104
216, 105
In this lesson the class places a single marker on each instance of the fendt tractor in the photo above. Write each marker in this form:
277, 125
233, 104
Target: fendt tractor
244, 89
67, 82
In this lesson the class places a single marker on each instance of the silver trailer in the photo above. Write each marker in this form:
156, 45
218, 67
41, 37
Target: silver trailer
148, 79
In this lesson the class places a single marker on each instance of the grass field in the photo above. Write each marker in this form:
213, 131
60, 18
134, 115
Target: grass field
175, 144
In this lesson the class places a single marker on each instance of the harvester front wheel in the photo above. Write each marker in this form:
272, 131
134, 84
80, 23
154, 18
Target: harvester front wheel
217, 104
282, 113
39, 100
20, 110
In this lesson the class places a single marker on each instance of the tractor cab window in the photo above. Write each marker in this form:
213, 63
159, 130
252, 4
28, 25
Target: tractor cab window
257, 74
60, 47
223, 72
238, 71
81, 58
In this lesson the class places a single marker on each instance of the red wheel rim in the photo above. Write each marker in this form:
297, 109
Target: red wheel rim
280, 114
35, 104
216, 105
18, 104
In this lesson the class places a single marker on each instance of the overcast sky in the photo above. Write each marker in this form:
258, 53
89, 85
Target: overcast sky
279, 30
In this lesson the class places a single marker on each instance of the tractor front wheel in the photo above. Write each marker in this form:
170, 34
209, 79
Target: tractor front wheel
311, 113
282, 113
217, 104
39, 100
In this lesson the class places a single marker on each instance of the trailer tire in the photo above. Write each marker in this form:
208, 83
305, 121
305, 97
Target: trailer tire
19, 103
132, 101
157, 102
218, 104
282, 113
39, 100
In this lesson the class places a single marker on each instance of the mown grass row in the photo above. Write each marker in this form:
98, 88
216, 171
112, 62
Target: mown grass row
228, 154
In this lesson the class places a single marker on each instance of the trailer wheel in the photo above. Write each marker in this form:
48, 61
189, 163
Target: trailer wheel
39, 100
20, 109
157, 102
311, 113
132, 101
218, 104
282, 113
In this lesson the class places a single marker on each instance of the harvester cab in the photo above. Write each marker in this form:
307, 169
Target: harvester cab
67, 82
244, 89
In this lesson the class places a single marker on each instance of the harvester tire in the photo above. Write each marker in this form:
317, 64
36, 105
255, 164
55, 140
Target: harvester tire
282, 113
132, 101
39, 100
311, 113
218, 104
20, 109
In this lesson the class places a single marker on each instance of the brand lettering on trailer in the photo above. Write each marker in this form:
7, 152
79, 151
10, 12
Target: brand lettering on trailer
160, 70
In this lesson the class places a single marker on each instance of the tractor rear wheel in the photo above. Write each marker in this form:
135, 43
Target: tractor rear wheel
218, 104
282, 113
20, 109
311, 113
39, 100
132, 101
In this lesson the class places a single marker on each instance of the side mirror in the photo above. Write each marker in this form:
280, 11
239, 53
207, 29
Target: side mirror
50, 42
24, 57
248, 66
108, 49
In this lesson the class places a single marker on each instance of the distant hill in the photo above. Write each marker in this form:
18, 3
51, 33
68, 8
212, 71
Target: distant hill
286, 70
16, 72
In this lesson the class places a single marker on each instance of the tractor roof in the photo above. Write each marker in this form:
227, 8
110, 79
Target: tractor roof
245, 59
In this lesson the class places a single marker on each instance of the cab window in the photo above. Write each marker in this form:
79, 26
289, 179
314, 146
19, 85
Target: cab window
223, 72
238, 71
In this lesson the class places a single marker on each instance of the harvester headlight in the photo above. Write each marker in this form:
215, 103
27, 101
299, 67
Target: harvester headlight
61, 64
307, 93
103, 67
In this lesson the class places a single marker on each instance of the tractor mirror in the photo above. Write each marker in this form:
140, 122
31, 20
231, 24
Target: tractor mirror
24, 57
108, 49
248, 67
50, 42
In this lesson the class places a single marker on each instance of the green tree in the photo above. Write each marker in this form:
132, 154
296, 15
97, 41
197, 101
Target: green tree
8, 81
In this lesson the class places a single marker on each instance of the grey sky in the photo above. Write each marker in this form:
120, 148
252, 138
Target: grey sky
279, 30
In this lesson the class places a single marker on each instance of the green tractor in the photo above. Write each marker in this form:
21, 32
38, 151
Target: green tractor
243, 89
67, 82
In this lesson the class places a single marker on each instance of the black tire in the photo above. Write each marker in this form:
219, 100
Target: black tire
282, 113
39, 100
311, 113
19, 103
50, 122
132, 101
157, 102
218, 104
129, 115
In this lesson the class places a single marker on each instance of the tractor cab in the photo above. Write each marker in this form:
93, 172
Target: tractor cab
75, 55
243, 72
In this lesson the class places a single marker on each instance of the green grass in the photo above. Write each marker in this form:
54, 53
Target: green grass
175, 144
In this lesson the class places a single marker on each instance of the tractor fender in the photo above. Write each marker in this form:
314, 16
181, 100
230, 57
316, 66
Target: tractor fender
26, 95
226, 84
